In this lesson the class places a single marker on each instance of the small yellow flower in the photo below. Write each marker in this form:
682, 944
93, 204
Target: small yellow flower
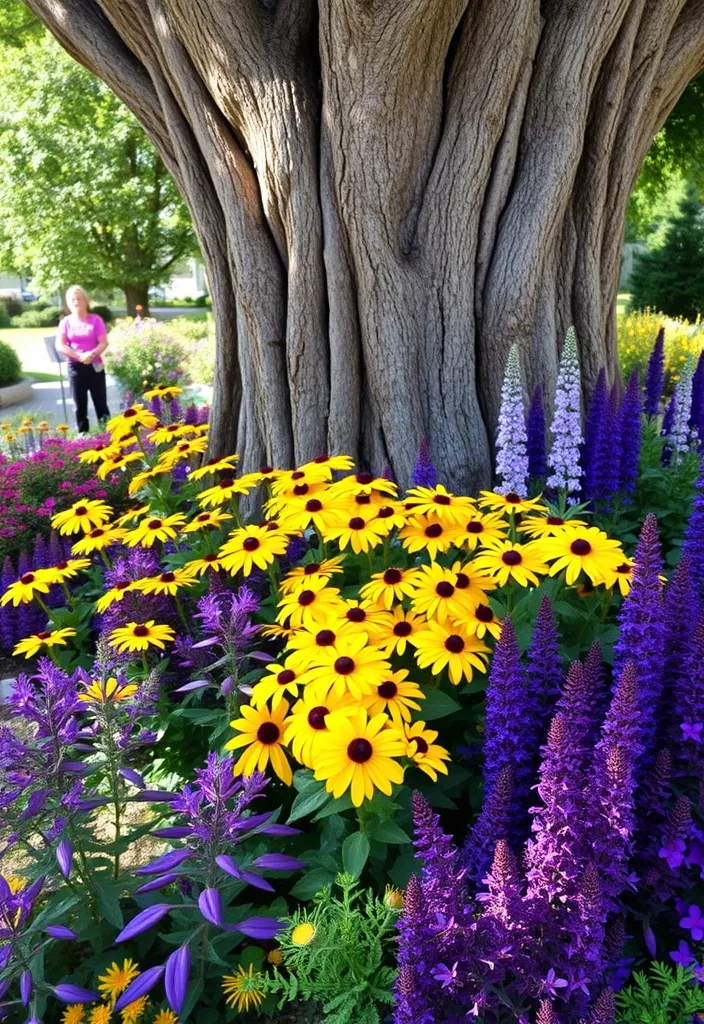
244, 990
31, 645
135, 1011
100, 1014
107, 691
424, 751
165, 1017
167, 391
303, 934
275, 957
126, 422
394, 898
115, 593
74, 1014
205, 519
223, 465
116, 980
63, 428
199, 566
251, 547
262, 732
169, 582
153, 528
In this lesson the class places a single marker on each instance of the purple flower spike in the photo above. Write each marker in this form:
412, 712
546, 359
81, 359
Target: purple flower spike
257, 927
140, 986
26, 987
74, 994
60, 931
64, 857
168, 862
144, 920
134, 777
210, 904
655, 376
159, 883
424, 473
178, 967
278, 862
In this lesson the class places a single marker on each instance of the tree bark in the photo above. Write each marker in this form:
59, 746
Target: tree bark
389, 193
137, 297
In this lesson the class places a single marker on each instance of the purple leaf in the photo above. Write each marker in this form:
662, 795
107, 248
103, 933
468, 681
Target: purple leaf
277, 862
134, 777
60, 931
144, 920
197, 684
165, 863
64, 857
74, 994
154, 796
178, 967
26, 987
210, 904
160, 882
257, 927
173, 832
139, 987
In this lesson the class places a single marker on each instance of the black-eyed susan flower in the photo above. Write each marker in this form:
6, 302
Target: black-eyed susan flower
306, 644
204, 520
311, 606
510, 502
23, 590
99, 539
482, 620
621, 576
364, 483
471, 583
320, 511
480, 529
226, 464
428, 533
119, 462
252, 547
112, 595
131, 419
139, 480
116, 980
63, 571
101, 453
107, 691
351, 666
31, 645
364, 618
361, 532
282, 680
199, 566
436, 595
300, 482
163, 391
438, 501
300, 575
582, 549
153, 528
505, 560
357, 754
451, 647
332, 462
537, 527
139, 636
396, 629
83, 516
168, 582
389, 586
392, 513
427, 755
165, 433
225, 489
183, 450
262, 733
136, 509
396, 695
306, 723
245, 990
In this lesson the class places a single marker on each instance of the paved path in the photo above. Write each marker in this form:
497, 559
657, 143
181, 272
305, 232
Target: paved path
46, 403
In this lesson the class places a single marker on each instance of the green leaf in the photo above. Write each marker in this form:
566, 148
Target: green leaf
109, 903
438, 704
311, 883
355, 851
336, 806
387, 832
309, 800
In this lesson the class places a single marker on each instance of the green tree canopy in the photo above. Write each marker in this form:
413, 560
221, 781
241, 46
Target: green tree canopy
83, 194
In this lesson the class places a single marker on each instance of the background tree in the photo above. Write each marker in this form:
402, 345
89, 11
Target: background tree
84, 196
389, 193
670, 278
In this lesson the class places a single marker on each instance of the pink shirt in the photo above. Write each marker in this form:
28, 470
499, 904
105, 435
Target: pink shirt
83, 335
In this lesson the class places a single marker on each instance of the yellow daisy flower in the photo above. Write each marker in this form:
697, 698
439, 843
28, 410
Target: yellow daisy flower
537, 527
183, 450
332, 462
31, 645
65, 570
223, 465
481, 620
451, 647
505, 560
621, 576
282, 679
364, 618
436, 595
364, 483
386, 587
307, 721
306, 645
392, 513
107, 691
138, 636
116, 980
164, 391
262, 734
169, 582
135, 510
74, 1014
350, 666
395, 695
252, 547
22, 591
582, 549
320, 511
165, 433
300, 575
300, 482
153, 528
126, 422
199, 566
357, 754
360, 532
245, 990
83, 516
225, 489
424, 751
311, 606
115, 593
140, 479
119, 462
99, 539
428, 533
135, 1011
439, 502
510, 502
101, 453
397, 629
204, 519
480, 529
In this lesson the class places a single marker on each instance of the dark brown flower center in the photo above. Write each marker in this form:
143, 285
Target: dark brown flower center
484, 613
210, 558
387, 690
306, 597
364, 478
314, 505
325, 638
298, 475
392, 577
203, 517
167, 577
154, 524
512, 558
421, 745
61, 566
359, 750
461, 581
123, 585
363, 499
140, 631
444, 589
434, 530
441, 499
474, 526
301, 489
129, 413
454, 644
356, 614
357, 523
321, 459
555, 521
80, 511
513, 498
316, 717
250, 543
27, 578
624, 568
311, 568
580, 547
97, 532
43, 636
226, 482
344, 665
385, 511
266, 469
285, 677
268, 733
403, 628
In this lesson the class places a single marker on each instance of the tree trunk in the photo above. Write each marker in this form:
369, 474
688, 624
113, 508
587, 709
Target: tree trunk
137, 296
389, 193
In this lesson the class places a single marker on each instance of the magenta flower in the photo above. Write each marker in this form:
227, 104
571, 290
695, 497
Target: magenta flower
694, 923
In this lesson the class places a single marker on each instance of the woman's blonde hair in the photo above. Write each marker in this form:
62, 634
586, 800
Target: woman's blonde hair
76, 289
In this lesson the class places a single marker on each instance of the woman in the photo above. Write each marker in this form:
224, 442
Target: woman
82, 338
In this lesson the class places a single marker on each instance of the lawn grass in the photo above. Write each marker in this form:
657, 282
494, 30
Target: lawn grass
43, 378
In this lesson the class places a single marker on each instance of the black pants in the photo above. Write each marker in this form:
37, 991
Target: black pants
86, 379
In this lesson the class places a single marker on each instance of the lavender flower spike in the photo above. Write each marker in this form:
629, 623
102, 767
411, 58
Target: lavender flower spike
566, 428
655, 376
679, 435
511, 438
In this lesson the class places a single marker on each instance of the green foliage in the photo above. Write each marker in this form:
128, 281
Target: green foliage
104, 312
663, 996
344, 965
10, 365
150, 353
18, 25
671, 277
83, 195
4, 316
637, 331
48, 316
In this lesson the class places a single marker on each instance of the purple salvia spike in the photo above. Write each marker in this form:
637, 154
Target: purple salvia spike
668, 420
566, 426
655, 375
688, 708
622, 723
8, 616
424, 473
141, 985
588, 928
611, 470
535, 434
658, 877
545, 675
178, 967
693, 543
592, 452
496, 822
610, 810
507, 714
503, 899
697, 411
630, 434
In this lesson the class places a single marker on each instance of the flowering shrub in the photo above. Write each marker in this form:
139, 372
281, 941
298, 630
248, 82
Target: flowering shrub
147, 353
332, 688
637, 332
